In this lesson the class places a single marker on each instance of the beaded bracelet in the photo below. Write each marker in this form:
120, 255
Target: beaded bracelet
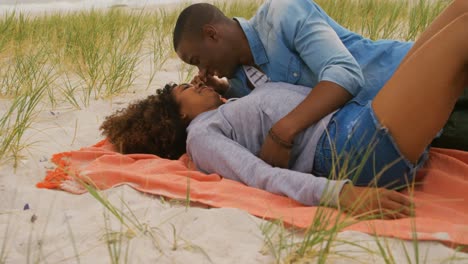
278, 140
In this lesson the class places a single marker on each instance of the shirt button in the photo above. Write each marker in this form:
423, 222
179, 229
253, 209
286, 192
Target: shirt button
295, 74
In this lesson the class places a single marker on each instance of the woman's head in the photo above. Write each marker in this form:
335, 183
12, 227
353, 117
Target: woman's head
157, 124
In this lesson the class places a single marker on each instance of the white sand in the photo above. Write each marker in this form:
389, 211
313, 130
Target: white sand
71, 228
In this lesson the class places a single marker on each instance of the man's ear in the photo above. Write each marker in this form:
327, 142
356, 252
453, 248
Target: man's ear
210, 32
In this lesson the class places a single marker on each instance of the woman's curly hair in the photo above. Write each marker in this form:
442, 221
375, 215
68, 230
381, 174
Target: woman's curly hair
152, 125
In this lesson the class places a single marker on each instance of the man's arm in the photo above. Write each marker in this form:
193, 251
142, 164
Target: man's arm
339, 76
324, 98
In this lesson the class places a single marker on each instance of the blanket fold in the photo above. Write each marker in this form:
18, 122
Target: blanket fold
441, 199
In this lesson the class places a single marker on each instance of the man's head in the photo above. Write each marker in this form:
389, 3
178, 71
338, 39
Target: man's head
206, 38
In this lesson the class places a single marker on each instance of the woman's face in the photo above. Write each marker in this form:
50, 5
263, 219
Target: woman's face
194, 100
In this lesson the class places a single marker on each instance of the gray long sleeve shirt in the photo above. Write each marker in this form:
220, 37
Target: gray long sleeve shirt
226, 141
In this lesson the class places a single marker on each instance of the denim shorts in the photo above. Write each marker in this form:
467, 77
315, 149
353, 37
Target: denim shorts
356, 146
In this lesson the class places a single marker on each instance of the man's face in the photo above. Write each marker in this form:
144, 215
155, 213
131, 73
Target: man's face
210, 56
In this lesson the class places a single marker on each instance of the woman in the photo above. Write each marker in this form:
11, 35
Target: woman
383, 141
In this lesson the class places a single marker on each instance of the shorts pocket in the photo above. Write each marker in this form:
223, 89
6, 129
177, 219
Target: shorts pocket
323, 152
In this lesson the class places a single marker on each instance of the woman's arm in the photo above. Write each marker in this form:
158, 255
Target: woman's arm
212, 152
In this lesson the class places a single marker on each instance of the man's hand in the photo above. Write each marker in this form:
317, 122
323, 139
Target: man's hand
220, 85
276, 150
365, 202
324, 98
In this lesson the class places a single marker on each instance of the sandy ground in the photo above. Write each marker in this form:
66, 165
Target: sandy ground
46, 226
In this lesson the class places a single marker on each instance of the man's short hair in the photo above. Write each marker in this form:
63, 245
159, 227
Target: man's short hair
192, 19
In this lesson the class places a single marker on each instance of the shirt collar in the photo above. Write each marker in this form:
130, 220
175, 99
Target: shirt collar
256, 45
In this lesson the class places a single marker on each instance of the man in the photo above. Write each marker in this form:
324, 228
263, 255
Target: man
289, 41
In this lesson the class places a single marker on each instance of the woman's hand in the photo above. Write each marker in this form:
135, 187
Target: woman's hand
378, 202
220, 85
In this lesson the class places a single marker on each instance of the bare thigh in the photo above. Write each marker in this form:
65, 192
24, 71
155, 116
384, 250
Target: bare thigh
417, 101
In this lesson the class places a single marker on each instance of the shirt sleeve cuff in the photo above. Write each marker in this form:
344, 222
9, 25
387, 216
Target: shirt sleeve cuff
331, 195
351, 81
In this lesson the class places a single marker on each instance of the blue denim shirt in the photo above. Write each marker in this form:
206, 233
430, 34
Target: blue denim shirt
298, 43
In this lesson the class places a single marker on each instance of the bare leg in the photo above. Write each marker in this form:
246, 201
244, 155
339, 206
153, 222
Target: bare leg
417, 101
453, 11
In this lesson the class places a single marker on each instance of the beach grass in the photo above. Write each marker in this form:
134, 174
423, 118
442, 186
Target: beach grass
72, 59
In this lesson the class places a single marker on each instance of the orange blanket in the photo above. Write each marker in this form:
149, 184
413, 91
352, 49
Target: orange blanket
441, 201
